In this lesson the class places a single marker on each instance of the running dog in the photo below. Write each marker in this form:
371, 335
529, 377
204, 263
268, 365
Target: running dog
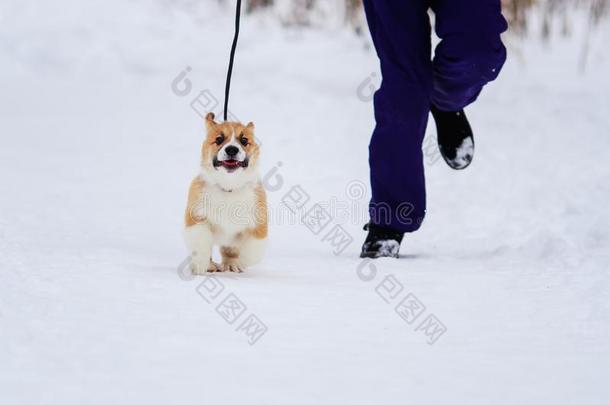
227, 204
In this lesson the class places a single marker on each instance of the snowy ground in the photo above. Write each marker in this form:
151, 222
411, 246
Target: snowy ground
96, 155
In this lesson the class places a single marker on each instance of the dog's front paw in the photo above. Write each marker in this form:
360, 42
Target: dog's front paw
201, 268
233, 267
214, 267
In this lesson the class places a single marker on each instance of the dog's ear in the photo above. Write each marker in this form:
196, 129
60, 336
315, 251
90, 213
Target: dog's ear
250, 126
210, 124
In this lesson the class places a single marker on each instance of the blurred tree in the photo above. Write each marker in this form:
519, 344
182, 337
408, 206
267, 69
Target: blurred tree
519, 13
254, 4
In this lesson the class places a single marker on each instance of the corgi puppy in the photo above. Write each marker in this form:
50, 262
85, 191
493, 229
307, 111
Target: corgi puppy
227, 204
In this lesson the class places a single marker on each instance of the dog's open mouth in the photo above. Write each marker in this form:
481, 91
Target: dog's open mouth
230, 164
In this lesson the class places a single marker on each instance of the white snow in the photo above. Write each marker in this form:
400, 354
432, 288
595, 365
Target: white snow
96, 156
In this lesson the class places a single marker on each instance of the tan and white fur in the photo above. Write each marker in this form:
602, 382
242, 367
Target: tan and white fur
227, 204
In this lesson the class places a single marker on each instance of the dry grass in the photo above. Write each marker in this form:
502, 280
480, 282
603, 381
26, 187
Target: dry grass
552, 13
519, 13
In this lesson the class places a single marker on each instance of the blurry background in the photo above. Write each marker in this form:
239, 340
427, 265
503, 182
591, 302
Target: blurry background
100, 129
31, 31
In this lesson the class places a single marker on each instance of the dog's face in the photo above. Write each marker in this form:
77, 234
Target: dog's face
229, 150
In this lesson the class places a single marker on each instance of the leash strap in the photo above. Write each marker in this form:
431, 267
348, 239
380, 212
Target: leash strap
232, 57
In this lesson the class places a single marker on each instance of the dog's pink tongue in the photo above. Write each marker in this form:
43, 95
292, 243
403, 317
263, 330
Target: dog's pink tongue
231, 163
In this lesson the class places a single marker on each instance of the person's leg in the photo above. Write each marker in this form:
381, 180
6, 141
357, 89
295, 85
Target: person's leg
470, 53
401, 33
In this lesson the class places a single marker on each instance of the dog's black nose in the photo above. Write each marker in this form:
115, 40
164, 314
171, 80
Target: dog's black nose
232, 150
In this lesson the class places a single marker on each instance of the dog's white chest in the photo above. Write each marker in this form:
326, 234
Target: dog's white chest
229, 213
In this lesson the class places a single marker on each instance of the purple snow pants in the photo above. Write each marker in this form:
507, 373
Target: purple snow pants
469, 56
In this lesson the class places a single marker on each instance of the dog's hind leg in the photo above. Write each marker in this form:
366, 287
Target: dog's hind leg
231, 259
245, 253
251, 251
250, 245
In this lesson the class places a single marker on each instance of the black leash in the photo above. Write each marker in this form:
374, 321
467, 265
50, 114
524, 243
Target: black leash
230, 71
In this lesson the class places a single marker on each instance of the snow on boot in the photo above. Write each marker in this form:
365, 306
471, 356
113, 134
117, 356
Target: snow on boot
381, 242
455, 138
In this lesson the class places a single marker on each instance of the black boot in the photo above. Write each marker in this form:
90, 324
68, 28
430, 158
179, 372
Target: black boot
381, 242
455, 138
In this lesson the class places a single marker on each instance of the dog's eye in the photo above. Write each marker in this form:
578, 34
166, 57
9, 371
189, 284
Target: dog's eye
219, 139
244, 141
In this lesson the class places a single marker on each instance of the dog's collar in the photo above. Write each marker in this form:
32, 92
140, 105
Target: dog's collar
230, 190
212, 182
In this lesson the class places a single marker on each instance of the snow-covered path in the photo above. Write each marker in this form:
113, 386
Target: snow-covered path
96, 153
